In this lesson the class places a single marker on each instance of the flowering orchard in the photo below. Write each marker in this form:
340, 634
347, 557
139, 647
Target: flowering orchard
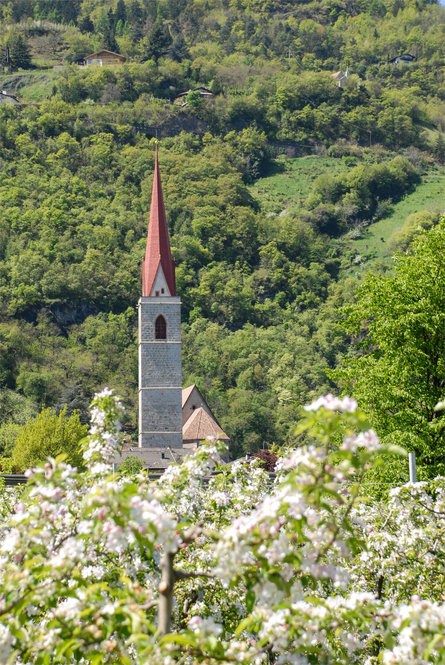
215, 565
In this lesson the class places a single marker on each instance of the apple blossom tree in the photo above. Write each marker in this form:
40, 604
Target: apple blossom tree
222, 564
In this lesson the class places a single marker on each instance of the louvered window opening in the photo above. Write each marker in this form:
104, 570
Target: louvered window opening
160, 328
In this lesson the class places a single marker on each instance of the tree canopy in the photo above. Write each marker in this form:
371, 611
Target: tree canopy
49, 435
398, 324
261, 272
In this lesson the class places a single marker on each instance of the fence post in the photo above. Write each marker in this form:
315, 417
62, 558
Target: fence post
412, 467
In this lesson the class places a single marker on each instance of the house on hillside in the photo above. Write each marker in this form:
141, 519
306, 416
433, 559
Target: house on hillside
340, 78
6, 98
102, 58
404, 59
204, 93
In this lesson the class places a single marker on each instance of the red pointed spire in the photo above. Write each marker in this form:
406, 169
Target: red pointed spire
157, 253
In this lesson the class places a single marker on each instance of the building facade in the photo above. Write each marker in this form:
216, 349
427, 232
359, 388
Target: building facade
102, 58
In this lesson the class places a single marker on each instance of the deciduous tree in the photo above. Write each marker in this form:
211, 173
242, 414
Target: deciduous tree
398, 324
49, 435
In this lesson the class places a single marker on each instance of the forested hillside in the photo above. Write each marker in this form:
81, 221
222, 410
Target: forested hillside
268, 183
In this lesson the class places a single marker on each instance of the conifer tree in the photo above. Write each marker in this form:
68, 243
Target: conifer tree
110, 41
158, 41
86, 25
19, 50
439, 149
120, 13
135, 17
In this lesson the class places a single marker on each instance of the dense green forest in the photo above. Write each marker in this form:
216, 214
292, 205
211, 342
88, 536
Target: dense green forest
261, 276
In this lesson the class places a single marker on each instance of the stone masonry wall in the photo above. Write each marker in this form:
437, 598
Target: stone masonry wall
160, 374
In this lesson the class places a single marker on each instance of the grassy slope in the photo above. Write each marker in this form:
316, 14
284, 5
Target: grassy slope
41, 88
291, 184
34, 85
291, 181
429, 195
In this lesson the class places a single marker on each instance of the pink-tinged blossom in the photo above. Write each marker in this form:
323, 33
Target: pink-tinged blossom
69, 608
103, 443
307, 457
421, 623
84, 550
368, 440
332, 403
148, 513
204, 626
221, 499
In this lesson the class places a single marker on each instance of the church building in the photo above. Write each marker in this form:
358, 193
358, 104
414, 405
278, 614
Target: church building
171, 420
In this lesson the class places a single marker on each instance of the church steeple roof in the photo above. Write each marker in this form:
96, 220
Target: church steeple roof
157, 254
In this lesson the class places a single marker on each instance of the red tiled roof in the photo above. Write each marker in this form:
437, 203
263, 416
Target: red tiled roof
104, 50
186, 392
200, 425
158, 245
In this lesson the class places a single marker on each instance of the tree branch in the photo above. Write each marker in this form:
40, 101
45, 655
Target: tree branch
166, 586
186, 575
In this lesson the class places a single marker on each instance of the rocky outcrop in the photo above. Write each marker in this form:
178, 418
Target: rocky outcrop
68, 314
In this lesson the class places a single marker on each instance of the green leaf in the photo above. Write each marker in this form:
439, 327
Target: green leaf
250, 600
178, 638
243, 625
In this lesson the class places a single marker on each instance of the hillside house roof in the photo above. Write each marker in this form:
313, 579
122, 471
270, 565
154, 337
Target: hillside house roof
341, 77
203, 92
405, 57
6, 98
157, 253
104, 52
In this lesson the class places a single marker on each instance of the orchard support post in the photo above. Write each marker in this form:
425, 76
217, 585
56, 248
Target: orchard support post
412, 467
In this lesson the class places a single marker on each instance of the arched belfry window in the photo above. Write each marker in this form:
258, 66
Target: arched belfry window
160, 328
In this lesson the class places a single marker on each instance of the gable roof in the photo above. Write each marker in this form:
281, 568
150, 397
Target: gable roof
192, 399
6, 98
157, 251
201, 425
186, 392
104, 50
201, 90
407, 57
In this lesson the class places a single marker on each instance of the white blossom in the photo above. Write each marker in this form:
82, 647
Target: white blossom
331, 403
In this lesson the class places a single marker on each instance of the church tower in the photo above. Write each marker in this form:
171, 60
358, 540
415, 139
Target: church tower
160, 374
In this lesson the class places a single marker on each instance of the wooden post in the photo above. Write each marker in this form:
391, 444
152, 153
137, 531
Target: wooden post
412, 467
